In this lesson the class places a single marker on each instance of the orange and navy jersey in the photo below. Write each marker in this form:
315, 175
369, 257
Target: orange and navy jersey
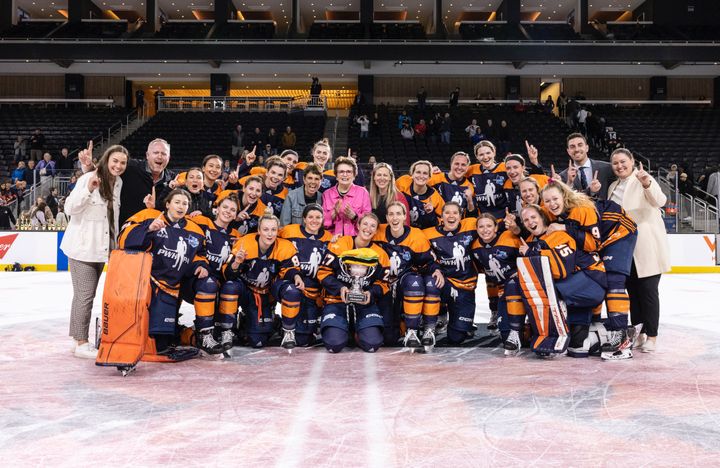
512, 193
488, 185
178, 248
213, 191
451, 190
218, 243
409, 252
311, 250
453, 253
615, 224
333, 278
250, 225
260, 269
419, 218
582, 224
564, 256
328, 181
497, 258
273, 198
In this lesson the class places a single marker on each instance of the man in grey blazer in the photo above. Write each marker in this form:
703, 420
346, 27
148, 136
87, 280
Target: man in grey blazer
586, 175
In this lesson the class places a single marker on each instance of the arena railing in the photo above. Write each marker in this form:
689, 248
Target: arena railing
699, 210
240, 103
53, 102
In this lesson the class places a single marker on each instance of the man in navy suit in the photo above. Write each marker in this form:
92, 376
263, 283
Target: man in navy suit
586, 175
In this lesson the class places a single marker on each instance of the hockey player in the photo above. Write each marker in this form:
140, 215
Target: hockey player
293, 178
340, 315
496, 255
321, 155
201, 200
488, 179
410, 258
424, 201
516, 171
311, 241
213, 315
212, 171
178, 248
251, 206
454, 283
273, 189
574, 213
530, 194
453, 185
579, 277
269, 271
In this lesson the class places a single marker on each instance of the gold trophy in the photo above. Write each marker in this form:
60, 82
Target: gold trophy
358, 265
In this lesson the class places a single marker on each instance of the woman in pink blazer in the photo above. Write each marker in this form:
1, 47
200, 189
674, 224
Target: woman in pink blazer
346, 202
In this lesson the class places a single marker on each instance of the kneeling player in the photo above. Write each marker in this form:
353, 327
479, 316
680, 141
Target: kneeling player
354, 265
579, 278
178, 248
265, 264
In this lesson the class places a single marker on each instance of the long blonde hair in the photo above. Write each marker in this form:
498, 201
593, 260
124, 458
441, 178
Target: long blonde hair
375, 191
571, 198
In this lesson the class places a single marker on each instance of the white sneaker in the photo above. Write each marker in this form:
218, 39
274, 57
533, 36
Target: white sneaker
640, 342
85, 351
648, 346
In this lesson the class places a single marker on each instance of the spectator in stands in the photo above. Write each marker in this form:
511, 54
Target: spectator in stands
268, 151
273, 139
549, 105
713, 184
297, 199
7, 218
20, 148
472, 129
30, 175
583, 173
445, 129
71, 183
46, 171
383, 192
407, 132
420, 130
158, 94
490, 131
255, 139
433, 130
344, 203
64, 163
52, 202
358, 100
40, 214
94, 207
594, 129
375, 125
454, 97
403, 118
421, 98
5, 192
364, 123
672, 174
315, 90
37, 145
19, 189
641, 197
582, 116
520, 106
571, 113
139, 99
685, 185
561, 104
478, 137
238, 137
61, 219
288, 138
19, 172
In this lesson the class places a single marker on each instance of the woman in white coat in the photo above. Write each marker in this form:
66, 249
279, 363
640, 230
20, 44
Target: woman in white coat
641, 197
93, 207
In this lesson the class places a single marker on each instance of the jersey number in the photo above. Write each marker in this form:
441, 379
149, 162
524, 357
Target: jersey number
564, 250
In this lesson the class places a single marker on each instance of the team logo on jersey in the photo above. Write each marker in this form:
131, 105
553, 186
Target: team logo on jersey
325, 183
193, 241
161, 234
178, 255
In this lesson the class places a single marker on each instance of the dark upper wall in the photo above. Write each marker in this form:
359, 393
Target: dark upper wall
704, 12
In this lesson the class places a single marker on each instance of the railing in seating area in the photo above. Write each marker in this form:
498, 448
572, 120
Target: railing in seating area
698, 211
52, 102
240, 103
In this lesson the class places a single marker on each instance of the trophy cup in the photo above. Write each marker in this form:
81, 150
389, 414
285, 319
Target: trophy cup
358, 265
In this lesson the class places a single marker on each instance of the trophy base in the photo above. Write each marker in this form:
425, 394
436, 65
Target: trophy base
357, 298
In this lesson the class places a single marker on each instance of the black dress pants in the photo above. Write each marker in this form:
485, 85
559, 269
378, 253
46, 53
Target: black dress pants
644, 301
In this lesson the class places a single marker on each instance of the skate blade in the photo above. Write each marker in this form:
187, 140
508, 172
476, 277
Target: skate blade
429, 349
290, 350
211, 357
619, 355
511, 352
125, 371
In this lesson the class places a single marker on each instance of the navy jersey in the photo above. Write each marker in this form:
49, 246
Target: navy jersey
582, 224
311, 250
452, 250
565, 258
419, 218
250, 225
512, 193
178, 248
218, 244
497, 258
615, 224
451, 190
488, 185
260, 269
409, 252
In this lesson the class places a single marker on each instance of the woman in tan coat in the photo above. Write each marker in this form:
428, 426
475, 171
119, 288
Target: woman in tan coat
641, 197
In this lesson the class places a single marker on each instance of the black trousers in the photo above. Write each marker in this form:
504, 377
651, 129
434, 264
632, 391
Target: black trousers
644, 301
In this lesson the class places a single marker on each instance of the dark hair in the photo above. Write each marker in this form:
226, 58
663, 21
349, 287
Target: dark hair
177, 191
289, 151
574, 135
486, 216
311, 207
233, 198
515, 157
107, 184
455, 204
313, 169
209, 157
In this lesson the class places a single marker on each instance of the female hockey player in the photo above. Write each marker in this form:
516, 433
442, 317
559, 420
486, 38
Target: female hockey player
341, 316
251, 206
321, 154
311, 241
516, 171
268, 271
293, 178
455, 282
217, 316
178, 248
496, 255
212, 176
410, 259
579, 278
274, 190
201, 200
574, 213
488, 179
424, 202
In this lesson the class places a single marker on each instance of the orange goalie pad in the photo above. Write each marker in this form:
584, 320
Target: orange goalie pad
126, 300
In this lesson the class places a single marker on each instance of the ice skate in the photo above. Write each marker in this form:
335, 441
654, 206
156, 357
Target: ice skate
411, 340
512, 344
493, 323
615, 338
428, 339
206, 342
226, 339
619, 355
288, 340
126, 370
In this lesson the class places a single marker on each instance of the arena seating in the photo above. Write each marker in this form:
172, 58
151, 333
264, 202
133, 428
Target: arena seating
28, 29
490, 31
544, 131
193, 135
551, 32
184, 29
92, 30
336, 31
61, 127
244, 30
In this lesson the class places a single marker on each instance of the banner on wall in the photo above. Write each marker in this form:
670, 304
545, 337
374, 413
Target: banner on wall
39, 249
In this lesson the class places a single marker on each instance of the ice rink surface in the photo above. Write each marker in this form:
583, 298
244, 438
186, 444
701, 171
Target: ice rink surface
456, 407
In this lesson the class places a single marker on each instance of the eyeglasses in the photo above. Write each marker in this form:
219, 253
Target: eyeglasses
349, 171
